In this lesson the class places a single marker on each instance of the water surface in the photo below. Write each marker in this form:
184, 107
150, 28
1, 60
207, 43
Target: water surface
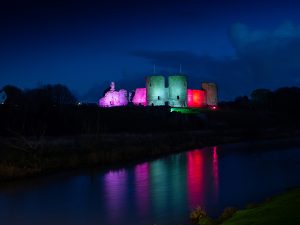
158, 192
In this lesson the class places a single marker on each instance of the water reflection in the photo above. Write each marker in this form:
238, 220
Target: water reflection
195, 178
156, 192
142, 199
160, 188
115, 193
215, 169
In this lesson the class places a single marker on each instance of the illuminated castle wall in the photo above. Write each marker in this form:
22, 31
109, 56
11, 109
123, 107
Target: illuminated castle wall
157, 94
211, 93
177, 94
140, 97
196, 98
114, 98
177, 91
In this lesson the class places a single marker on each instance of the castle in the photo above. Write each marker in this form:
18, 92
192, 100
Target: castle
156, 93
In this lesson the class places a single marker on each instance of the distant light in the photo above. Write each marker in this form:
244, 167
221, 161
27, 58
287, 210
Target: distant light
79, 103
214, 107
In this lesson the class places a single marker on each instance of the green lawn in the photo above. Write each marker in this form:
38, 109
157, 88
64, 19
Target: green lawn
189, 110
281, 210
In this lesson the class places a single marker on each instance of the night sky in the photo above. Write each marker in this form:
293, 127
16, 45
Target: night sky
240, 45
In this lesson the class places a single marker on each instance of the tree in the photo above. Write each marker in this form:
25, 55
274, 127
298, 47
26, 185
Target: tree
262, 98
15, 95
242, 102
61, 95
51, 95
287, 98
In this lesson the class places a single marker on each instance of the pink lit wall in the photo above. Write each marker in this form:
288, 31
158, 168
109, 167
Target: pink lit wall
190, 97
114, 98
140, 97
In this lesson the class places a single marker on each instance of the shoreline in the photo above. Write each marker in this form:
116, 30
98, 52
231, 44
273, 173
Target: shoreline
31, 157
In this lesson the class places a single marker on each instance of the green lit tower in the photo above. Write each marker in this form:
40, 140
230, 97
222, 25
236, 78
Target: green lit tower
156, 91
177, 91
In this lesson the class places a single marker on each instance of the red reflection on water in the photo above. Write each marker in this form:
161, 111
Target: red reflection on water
115, 193
142, 187
215, 171
202, 176
195, 179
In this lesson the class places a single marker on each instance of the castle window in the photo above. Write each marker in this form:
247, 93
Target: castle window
177, 97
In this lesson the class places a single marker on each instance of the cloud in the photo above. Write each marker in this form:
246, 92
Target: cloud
269, 59
128, 81
199, 68
272, 58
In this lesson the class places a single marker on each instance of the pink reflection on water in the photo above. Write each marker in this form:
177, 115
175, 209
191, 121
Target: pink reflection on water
215, 171
195, 179
115, 194
142, 188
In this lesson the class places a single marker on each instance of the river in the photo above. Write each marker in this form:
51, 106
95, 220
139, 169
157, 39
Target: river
161, 191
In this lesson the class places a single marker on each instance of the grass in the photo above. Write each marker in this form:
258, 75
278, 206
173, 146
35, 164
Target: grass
281, 210
189, 110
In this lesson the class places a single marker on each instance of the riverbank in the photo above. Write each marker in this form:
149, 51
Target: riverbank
283, 209
22, 157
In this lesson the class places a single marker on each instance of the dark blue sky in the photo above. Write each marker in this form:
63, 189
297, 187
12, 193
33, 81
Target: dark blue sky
240, 45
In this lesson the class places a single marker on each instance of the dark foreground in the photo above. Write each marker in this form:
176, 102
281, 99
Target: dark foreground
22, 157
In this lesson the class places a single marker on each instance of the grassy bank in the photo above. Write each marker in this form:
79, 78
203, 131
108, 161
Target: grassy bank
21, 157
281, 210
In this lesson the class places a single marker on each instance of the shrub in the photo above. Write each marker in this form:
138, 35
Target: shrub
227, 213
251, 205
200, 217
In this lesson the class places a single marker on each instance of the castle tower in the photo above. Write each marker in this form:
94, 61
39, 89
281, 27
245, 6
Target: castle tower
211, 93
177, 91
156, 91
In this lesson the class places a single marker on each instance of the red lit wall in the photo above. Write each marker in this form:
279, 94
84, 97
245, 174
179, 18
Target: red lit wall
196, 98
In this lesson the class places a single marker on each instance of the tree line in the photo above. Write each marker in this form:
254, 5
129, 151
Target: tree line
51, 110
47, 95
282, 99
